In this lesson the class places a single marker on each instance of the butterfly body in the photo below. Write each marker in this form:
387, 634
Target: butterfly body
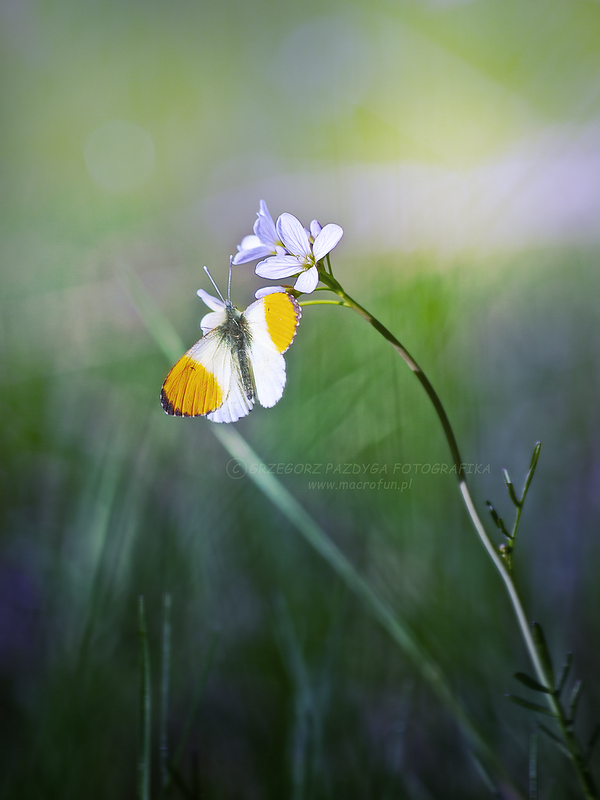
238, 360
235, 332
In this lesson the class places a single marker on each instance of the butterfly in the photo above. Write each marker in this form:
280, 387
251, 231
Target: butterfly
237, 361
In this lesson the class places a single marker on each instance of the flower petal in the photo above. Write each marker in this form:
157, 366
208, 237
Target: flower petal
279, 267
315, 228
293, 236
307, 281
251, 254
327, 240
264, 227
249, 242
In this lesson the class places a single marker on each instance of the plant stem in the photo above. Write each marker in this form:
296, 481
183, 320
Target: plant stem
583, 774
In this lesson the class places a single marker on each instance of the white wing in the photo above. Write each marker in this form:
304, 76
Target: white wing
272, 321
207, 381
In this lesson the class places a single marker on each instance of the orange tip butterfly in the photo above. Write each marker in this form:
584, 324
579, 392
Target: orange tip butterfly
238, 360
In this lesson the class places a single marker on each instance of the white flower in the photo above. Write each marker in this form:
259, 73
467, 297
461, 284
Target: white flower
264, 241
302, 256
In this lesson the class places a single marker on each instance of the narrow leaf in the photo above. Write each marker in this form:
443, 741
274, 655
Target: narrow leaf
165, 678
497, 520
531, 706
592, 741
511, 489
564, 673
555, 739
542, 649
143, 791
174, 764
532, 466
531, 683
492, 511
575, 695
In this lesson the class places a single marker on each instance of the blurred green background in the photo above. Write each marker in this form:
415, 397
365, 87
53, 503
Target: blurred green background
458, 144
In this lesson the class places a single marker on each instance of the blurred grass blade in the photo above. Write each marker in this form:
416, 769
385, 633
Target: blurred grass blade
302, 733
520, 701
157, 323
558, 742
592, 743
145, 709
574, 701
184, 790
542, 648
269, 485
564, 674
99, 501
164, 689
531, 683
533, 767
173, 766
273, 490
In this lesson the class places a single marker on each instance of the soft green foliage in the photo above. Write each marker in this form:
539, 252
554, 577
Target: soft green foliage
281, 682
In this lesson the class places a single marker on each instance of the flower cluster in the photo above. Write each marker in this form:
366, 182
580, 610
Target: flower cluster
288, 248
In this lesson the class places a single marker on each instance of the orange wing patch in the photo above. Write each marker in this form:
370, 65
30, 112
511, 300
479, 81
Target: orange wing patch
190, 390
282, 313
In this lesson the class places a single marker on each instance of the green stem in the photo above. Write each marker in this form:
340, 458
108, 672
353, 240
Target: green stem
513, 538
585, 779
519, 504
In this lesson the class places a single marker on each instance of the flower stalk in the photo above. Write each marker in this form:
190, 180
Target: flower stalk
535, 649
289, 249
292, 249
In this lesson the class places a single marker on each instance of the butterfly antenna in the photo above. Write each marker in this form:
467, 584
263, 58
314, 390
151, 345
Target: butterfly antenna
229, 281
214, 284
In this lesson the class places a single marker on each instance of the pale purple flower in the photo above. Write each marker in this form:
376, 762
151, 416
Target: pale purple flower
263, 242
302, 252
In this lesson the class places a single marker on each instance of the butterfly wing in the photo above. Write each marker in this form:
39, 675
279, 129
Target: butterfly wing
237, 403
207, 381
272, 322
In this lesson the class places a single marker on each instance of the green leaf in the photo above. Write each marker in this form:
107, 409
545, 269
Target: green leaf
564, 673
532, 466
531, 706
592, 741
555, 739
531, 683
511, 489
497, 520
575, 695
543, 653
